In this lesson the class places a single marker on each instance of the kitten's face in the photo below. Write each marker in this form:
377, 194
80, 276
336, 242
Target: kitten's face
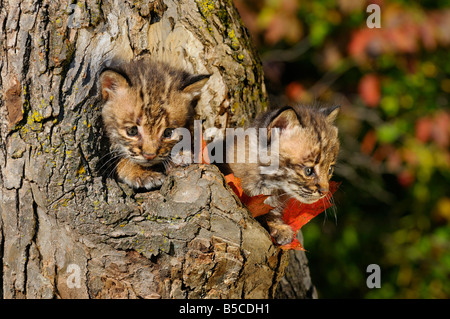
145, 135
308, 152
142, 120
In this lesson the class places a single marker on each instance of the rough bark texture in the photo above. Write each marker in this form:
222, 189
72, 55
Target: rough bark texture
68, 231
296, 283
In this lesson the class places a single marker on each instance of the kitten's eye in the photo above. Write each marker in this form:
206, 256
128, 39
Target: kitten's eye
168, 132
331, 170
132, 131
309, 171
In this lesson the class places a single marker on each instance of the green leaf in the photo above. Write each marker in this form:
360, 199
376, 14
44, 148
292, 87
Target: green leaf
390, 105
319, 31
387, 133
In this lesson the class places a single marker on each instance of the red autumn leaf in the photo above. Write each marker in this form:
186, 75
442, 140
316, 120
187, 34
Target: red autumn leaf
441, 129
294, 244
294, 91
424, 127
405, 178
203, 156
255, 204
368, 143
359, 41
235, 184
295, 214
369, 90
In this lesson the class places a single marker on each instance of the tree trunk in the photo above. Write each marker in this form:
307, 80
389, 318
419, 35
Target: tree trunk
69, 231
296, 283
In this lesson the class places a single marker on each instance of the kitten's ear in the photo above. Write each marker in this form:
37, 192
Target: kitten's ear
331, 113
194, 83
286, 118
110, 82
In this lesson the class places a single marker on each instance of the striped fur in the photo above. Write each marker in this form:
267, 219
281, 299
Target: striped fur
144, 101
308, 150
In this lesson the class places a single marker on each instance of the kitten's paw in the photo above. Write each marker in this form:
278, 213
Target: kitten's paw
283, 234
150, 181
138, 177
147, 180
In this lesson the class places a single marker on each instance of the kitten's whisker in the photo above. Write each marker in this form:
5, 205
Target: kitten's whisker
112, 167
325, 213
113, 170
105, 165
166, 162
333, 207
110, 160
107, 154
285, 201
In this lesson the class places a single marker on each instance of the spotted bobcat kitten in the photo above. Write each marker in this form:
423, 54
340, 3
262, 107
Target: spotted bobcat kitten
144, 103
307, 152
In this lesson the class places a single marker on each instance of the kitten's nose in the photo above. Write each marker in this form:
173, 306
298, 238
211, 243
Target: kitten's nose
148, 156
322, 190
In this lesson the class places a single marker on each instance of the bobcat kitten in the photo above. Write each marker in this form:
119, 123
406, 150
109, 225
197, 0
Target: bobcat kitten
144, 103
308, 149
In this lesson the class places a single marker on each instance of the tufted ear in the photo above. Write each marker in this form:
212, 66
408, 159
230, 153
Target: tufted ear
193, 83
110, 82
285, 118
331, 113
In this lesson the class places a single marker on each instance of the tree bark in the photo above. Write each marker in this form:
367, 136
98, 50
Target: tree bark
296, 283
68, 230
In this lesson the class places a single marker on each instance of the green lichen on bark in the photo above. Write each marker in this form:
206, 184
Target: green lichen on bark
248, 95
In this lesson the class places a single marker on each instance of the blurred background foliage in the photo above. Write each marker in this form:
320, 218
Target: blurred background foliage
393, 83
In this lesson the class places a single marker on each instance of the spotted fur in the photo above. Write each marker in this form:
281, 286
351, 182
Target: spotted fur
308, 150
144, 103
